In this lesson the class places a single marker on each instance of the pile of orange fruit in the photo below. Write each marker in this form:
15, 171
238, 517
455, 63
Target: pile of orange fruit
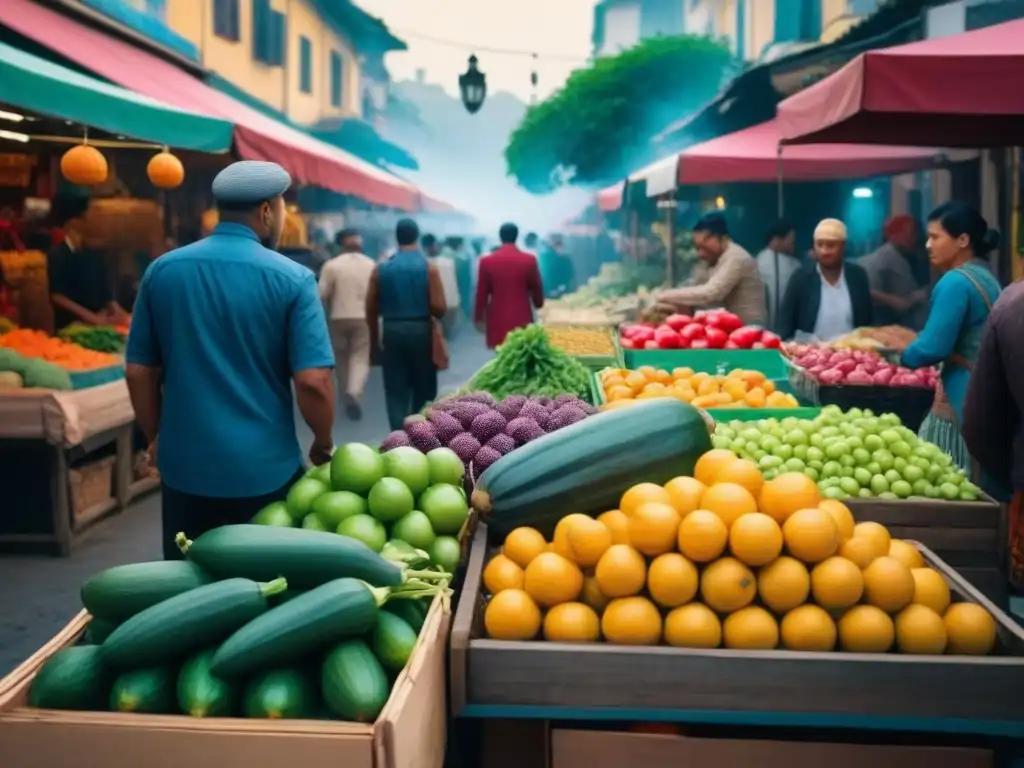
737, 389
72, 357
727, 559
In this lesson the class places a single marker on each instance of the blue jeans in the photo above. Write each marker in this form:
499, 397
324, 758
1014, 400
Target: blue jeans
410, 377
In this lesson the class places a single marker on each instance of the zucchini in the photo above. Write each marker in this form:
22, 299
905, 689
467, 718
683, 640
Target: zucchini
187, 623
414, 612
354, 684
587, 466
392, 641
399, 551
98, 631
280, 694
120, 592
73, 678
305, 558
200, 693
148, 691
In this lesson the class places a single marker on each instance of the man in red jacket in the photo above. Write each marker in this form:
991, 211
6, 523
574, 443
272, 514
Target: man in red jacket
508, 288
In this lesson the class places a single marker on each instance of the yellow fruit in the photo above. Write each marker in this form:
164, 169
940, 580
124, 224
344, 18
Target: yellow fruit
875, 531
572, 623
693, 626
618, 523
512, 615
642, 493
808, 628
888, 584
811, 535
970, 629
866, 629
587, 540
709, 465
729, 501
552, 579
631, 621
684, 494
755, 539
751, 628
522, 545
728, 585
501, 574
920, 630
784, 584
672, 580
783, 495
742, 472
702, 536
841, 514
930, 589
906, 553
836, 583
592, 594
621, 571
653, 528
861, 550
560, 540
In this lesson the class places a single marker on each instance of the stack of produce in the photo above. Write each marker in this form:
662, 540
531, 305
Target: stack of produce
404, 504
71, 357
258, 622
737, 389
581, 342
17, 370
99, 338
885, 337
832, 366
726, 559
528, 364
711, 329
850, 454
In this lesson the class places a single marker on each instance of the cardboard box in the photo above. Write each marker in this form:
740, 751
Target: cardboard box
410, 732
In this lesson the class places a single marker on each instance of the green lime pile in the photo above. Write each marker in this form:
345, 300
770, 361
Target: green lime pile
850, 454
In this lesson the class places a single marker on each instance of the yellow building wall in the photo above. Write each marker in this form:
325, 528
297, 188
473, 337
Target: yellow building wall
759, 27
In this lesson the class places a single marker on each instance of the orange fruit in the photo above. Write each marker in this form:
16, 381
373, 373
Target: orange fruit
693, 625
616, 522
649, 372
920, 630
888, 584
631, 621
653, 528
808, 628
709, 465
672, 580
841, 514
876, 532
512, 615
728, 501
930, 589
783, 495
742, 472
683, 373
617, 393
783, 584
552, 579
587, 540
522, 545
560, 539
572, 623
592, 594
727, 585
811, 535
861, 550
702, 536
755, 539
906, 553
866, 629
636, 381
501, 574
751, 629
621, 571
641, 494
970, 629
836, 583
684, 494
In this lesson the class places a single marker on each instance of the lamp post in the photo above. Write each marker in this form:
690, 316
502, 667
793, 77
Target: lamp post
473, 87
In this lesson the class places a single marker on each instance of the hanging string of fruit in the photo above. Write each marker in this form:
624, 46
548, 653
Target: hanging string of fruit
84, 165
165, 170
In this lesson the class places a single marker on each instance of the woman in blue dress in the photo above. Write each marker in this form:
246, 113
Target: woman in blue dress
958, 238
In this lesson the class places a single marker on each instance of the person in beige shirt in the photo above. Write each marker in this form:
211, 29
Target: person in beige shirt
726, 276
344, 281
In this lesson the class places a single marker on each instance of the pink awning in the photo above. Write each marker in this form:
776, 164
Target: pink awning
436, 205
610, 198
257, 136
752, 155
958, 91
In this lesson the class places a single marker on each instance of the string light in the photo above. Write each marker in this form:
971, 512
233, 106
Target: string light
497, 51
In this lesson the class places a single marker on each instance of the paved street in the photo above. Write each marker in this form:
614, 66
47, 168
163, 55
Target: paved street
40, 594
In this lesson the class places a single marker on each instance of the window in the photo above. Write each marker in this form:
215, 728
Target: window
797, 20
861, 7
269, 34
337, 71
305, 65
225, 19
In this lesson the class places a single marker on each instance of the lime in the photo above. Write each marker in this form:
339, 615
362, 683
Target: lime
312, 523
445, 467
446, 552
302, 495
275, 513
902, 489
446, 507
335, 506
390, 499
366, 529
410, 466
414, 529
321, 473
356, 467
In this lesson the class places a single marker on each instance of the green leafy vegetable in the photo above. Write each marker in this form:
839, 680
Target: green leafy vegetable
527, 364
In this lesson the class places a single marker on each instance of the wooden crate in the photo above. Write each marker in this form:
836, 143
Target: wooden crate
92, 486
543, 674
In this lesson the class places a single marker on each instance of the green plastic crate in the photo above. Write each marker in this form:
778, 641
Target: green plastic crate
770, 362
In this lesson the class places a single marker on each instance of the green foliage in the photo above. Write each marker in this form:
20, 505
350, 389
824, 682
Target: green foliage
603, 118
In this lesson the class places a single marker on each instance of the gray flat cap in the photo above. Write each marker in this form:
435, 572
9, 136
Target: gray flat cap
250, 181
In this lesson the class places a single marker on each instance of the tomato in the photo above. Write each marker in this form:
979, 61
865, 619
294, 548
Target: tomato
727, 321
652, 344
716, 337
771, 340
746, 336
627, 343
699, 344
692, 331
677, 321
730, 344
666, 338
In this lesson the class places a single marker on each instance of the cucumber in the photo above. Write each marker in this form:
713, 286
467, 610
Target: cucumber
414, 612
354, 684
187, 623
119, 593
144, 690
73, 678
392, 641
98, 631
200, 693
280, 694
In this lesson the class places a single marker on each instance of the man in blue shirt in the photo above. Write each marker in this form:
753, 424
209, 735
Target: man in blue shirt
221, 331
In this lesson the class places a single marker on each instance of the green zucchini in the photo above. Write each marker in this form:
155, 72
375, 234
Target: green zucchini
98, 631
73, 678
354, 684
148, 691
414, 612
587, 466
392, 641
187, 623
280, 694
120, 592
305, 558
200, 693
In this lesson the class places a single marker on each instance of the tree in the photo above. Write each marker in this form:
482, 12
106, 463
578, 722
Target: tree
598, 126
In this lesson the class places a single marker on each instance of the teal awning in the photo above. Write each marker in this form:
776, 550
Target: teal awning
31, 83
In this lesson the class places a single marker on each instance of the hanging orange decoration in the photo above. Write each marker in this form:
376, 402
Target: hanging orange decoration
165, 171
84, 165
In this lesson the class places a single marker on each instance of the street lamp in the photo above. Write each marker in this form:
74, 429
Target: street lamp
473, 86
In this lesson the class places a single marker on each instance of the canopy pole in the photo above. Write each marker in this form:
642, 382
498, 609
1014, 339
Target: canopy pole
780, 202
670, 211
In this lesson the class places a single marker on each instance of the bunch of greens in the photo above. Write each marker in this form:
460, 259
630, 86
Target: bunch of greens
99, 338
527, 364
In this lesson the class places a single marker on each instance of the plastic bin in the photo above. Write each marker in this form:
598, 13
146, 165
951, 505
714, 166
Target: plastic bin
770, 362
96, 377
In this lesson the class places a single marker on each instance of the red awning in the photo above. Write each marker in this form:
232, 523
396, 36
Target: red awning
257, 136
610, 198
436, 205
752, 155
958, 91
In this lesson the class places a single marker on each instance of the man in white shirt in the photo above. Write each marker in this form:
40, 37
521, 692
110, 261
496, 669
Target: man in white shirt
776, 264
445, 263
343, 285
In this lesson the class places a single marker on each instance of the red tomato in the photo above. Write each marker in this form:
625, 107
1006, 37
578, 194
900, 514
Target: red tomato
643, 334
771, 340
716, 337
652, 344
701, 315
730, 344
666, 338
627, 343
699, 344
746, 336
692, 331
727, 321
677, 321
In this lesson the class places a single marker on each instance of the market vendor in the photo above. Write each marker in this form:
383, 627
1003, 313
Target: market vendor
829, 298
726, 277
894, 290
